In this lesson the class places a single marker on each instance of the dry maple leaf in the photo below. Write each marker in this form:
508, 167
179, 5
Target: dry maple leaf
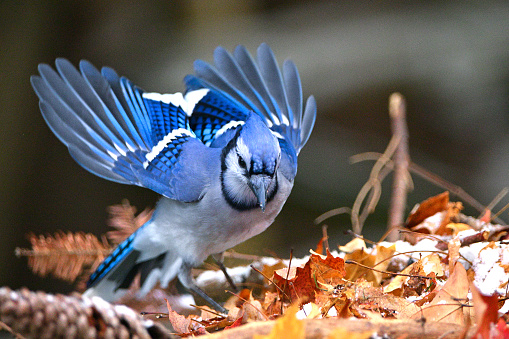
327, 269
184, 326
296, 283
359, 255
433, 216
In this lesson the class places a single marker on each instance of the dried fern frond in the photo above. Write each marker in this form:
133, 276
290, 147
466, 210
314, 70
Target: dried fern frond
69, 256
123, 218
64, 255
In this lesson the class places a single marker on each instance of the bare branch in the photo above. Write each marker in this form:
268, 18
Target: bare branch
400, 185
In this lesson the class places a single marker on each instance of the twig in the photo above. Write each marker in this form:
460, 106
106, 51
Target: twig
249, 303
456, 190
431, 177
286, 279
471, 239
272, 281
397, 112
497, 198
325, 238
331, 213
374, 184
387, 272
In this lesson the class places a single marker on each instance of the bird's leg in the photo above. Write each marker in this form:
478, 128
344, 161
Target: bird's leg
188, 282
218, 258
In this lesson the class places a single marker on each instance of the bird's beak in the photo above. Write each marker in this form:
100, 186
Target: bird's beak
259, 184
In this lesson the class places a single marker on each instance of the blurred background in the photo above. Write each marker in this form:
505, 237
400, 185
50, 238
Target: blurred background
449, 58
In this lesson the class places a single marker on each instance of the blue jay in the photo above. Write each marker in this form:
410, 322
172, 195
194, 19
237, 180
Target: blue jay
223, 156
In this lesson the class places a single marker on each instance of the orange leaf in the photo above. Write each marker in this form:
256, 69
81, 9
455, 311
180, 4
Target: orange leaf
286, 327
327, 269
300, 285
427, 208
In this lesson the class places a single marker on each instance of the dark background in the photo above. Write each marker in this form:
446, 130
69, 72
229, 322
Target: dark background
449, 58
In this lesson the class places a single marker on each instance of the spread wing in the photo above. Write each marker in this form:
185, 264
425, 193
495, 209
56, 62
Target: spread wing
121, 133
162, 141
260, 87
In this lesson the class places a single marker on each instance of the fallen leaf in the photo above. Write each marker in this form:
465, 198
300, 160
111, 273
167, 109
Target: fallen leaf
236, 323
381, 261
377, 261
373, 298
454, 253
455, 228
179, 323
427, 208
299, 285
354, 245
417, 282
446, 306
327, 269
485, 312
286, 327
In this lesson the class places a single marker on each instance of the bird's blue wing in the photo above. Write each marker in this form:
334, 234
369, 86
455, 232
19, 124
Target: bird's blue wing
260, 87
121, 133
215, 113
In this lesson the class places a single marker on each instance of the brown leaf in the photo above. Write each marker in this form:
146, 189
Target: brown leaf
387, 305
378, 262
429, 266
427, 208
300, 284
327, 269
446, 306
180, 324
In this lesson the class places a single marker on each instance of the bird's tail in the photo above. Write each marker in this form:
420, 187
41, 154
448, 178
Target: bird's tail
117, 272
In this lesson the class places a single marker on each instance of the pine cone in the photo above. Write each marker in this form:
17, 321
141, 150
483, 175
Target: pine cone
41, 315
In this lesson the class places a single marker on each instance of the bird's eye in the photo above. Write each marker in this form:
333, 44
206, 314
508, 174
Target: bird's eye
242, 163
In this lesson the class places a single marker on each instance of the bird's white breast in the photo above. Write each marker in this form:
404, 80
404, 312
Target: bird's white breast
194, 231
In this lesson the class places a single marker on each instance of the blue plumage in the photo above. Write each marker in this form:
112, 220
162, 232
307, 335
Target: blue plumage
223, 155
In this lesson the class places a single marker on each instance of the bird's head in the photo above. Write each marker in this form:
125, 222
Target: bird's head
249, 165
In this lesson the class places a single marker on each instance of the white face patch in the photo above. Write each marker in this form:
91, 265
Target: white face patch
243, 151
164, 142
235, 181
